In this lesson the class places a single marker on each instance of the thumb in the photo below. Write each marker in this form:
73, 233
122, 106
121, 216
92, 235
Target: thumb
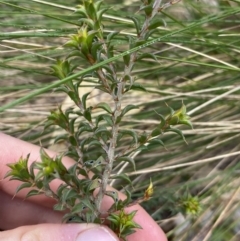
56, 232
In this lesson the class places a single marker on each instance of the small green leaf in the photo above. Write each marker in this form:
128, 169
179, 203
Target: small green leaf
163, 121
34, 193
113, 195
131, 133
100, 13
94, 163
61, 69
96, 48
71, 125
110, 71
157, 141
78, 208
94, 184
171, 110
62, 89
83, 126
23, 185
89, 23
111, 36
74, 53
147, 56
91, 11
82, 172
136, 23
138, 42
179, 132
39, 176
135, 86
97, 5
57, 117
110, 54
122, 176
104, 106
83, 129
88, 115
126, 59
60, 189
155, 23
67, 194
60, 138
108, 119
118, 120
148, 9
128, 159
156, 132
74, 96
102, 130
79, 113
128, 108
120, 204
81, 11
186, 122
142, 148
88, 204
84, 98
72, 140
71, 218
129, 197
94, 143
91, 35
128, 78
143, 138
59, 207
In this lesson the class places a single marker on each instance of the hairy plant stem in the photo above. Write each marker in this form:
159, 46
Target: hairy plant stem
144, 30
117, 111
133, 56
111, 148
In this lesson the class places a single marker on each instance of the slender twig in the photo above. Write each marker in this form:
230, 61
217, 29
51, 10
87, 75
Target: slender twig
118, 107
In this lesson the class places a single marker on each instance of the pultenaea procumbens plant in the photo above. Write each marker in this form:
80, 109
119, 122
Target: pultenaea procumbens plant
94, 141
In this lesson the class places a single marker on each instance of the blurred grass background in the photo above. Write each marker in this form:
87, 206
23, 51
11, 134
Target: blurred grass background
200, 67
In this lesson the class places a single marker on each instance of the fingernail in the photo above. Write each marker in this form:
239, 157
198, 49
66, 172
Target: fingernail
96, 234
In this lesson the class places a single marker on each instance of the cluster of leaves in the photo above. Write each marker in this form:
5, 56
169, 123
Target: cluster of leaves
67, 195
93, 170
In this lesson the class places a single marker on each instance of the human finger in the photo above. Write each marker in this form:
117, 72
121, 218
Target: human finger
15, 212
56, 232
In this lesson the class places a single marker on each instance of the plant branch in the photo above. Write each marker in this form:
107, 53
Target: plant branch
118, 108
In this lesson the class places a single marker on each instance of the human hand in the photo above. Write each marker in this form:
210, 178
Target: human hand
34, 219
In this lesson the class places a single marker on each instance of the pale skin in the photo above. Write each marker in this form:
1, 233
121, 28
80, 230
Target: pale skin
34, 217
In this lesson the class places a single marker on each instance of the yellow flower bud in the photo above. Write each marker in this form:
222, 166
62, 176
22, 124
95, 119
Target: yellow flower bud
149, 191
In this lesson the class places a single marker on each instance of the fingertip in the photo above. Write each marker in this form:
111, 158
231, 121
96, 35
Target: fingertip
56, 232
101, 233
